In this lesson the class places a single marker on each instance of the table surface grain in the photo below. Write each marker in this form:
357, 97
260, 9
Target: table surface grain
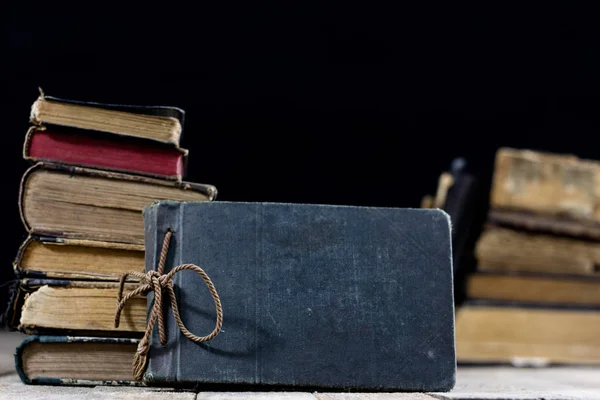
498, 383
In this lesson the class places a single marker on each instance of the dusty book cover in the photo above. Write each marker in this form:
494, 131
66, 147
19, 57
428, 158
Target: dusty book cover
313, 296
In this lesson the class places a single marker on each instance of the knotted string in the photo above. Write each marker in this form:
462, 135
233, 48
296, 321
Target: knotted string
156, 281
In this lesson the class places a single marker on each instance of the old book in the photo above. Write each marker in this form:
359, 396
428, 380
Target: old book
77, 307
75, 360
50, 257
502, 249
80, 203
537, 223
314, 296
63, 146
504, 333
535, 289
156, 123
553, 191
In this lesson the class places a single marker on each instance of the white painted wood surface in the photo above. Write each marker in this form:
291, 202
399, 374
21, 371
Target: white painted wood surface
486, 383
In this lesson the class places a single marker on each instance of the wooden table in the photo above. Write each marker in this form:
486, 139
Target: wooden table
506, 383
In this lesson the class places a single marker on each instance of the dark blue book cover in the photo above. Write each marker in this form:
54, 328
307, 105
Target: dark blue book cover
313, 296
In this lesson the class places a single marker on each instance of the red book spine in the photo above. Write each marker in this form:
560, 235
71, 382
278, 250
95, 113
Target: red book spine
92, 151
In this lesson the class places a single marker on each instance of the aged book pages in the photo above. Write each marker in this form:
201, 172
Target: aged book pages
75, 360
501, 249
87, 204
518, 334
77, 259
552, 184
78, 306
533, 289
122, 120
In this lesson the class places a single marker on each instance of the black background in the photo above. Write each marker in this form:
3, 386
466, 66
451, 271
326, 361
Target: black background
359, 105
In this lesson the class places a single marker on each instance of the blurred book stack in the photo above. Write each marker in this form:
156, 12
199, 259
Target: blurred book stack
535, 296
95, 167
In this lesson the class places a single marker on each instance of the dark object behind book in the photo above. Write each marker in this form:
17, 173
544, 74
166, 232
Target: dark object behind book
460, 194
314, 296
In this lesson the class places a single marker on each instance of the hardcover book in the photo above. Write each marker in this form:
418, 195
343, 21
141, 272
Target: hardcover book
527, 288
80, 203
58, 258
75, 360
312, 296
511, 250
505, 332
46, 306
162, 124
104, 151
546, 192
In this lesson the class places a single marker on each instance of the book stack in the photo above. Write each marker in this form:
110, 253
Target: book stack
95, 167
535, 296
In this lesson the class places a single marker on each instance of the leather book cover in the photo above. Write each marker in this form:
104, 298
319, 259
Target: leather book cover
319, 297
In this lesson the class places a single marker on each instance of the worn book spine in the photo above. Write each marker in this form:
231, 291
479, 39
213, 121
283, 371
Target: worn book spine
52, 378
100, 151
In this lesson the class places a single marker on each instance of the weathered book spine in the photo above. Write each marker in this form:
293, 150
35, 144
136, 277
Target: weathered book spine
53, 380
22, 249
156, 224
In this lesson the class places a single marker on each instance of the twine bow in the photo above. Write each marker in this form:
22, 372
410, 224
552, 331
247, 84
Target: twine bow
157, 281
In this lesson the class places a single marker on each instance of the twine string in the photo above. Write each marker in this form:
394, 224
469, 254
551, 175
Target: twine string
156, 281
